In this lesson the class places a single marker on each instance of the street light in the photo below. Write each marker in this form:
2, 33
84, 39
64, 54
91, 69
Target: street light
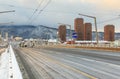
95, 25
6, 23
69, 27
7, 11
2, 31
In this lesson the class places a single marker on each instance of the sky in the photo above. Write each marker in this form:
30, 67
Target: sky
61, 11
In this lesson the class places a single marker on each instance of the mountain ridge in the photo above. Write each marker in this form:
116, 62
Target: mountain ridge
40, 31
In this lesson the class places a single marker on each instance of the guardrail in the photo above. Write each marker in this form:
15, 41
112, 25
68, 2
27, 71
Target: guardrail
86, 46
14, 70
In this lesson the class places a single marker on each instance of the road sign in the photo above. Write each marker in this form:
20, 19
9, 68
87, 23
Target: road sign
74, 35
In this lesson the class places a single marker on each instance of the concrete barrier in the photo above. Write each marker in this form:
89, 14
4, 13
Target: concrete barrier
14, 70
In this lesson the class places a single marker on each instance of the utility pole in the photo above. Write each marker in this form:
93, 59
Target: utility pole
97, 39
6, 12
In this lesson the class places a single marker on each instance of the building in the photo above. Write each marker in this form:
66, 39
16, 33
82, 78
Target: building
18, 38
6, 36
79, 28
88, 31
62, 33
109, 32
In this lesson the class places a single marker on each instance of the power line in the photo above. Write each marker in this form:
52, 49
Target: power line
41, 11
36, 10
15, 6
109, 20
45, 6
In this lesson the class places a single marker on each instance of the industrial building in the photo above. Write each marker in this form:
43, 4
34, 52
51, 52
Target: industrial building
62, 33
109, 31
79, 28
88, 31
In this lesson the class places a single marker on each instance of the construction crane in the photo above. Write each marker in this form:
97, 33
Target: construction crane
97, 39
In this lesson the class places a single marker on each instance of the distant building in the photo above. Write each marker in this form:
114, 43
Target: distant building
88, 31
18, 38
0, 38
6, 36
79, 28
62, 33
109, 32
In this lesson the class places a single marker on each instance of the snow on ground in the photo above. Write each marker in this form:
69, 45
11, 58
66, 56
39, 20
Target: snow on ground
4, 61
9, 68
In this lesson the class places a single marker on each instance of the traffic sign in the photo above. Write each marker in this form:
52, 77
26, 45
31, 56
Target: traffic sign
74, 35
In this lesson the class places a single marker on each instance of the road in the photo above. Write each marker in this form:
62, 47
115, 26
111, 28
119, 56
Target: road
64, 63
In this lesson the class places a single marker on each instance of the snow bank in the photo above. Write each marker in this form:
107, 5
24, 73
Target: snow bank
9, 68
4, 68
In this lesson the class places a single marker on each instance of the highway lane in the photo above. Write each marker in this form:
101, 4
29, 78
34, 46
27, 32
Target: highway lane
66, 64
107, 56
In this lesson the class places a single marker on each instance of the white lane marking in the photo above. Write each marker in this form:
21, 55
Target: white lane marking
101, 62
109, 74
93, 69
70, 55
100, 71
91, 60
102, 53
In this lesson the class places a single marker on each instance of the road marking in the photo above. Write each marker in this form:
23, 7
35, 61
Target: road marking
91, 60
101, 62
81, 72
70, 56
66, 66
95, 69
71, 68
90, 68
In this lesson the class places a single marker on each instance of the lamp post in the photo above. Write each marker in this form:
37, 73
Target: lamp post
6, 23
70, 29
97, 39
7, 11
57, 37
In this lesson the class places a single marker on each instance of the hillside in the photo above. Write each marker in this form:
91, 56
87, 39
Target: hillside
43, 32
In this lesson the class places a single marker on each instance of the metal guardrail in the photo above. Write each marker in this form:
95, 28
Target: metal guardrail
86, 46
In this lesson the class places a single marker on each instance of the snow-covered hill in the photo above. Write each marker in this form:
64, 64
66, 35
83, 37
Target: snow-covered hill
43, 32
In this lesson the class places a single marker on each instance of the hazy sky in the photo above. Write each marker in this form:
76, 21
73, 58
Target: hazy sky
61, 11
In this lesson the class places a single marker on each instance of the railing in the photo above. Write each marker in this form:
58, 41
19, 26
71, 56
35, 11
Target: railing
14, 70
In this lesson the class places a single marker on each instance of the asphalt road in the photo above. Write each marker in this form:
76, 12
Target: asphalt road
62, 63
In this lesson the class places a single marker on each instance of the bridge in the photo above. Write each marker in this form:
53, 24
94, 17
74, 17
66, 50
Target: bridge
52, 62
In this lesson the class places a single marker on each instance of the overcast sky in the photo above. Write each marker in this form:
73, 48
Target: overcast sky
61, 11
